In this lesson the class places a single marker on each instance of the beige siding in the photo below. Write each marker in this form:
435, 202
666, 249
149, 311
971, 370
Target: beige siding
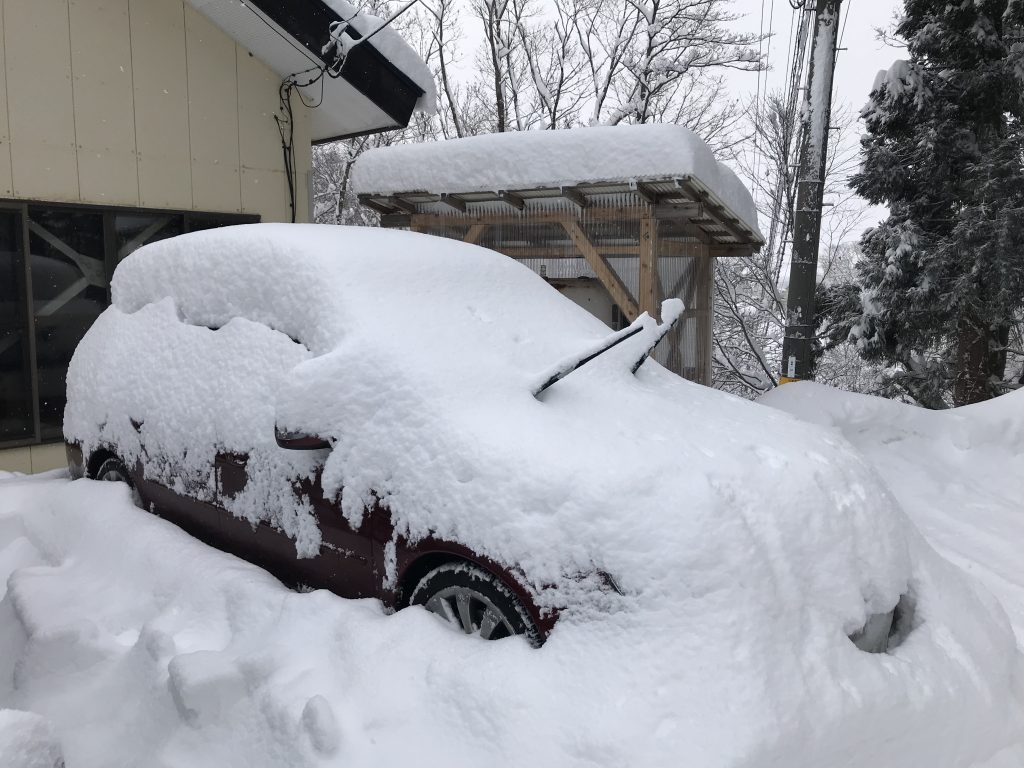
35, 458
104, 102
6, 180
264, 185
142, 103
39, 99
161, 96
213, 117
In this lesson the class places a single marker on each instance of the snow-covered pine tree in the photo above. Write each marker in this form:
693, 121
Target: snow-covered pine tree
942, 280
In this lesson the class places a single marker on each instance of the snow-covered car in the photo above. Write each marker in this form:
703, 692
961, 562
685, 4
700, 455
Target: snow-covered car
377, 413
708, 559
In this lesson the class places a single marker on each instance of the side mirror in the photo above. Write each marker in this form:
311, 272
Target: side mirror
299, 441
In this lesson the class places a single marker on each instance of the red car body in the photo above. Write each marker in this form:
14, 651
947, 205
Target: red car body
351, 562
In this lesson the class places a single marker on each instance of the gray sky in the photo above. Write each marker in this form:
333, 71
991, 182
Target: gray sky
855, 69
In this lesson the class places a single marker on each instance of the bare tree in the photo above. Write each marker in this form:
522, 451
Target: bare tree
644, 54
751, 303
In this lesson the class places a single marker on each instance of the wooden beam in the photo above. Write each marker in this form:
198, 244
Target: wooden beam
730, 251
609, 279
454, 201
562, 252
396, 220
686, 211
375, 205
512, 199
594, 213
644, 192
432, 220
648, 266
724, 218
402, 204
573, 195
474, 233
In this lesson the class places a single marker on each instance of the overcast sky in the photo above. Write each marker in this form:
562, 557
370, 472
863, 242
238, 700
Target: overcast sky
856, 67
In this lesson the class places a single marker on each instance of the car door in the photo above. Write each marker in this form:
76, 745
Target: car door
260, 543
343, 563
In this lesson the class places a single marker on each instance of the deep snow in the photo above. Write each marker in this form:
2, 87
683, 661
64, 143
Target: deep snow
140, 646
959, 474
748, 544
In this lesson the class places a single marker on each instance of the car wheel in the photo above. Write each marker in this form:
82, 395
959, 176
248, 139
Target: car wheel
474, 602
113, 470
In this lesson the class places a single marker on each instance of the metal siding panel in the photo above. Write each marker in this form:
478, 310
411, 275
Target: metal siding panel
213, 115
303, 162
16, 460
101, 63
47, 457
265, 193
161, 103
108, 177
264, 185
6, 182
42, 129
258, 102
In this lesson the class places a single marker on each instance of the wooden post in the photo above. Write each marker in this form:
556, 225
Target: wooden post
705, 274
609, 279
475, 231
648, 265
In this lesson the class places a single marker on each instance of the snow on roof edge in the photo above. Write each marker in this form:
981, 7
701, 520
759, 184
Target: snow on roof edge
544, 159
394, 48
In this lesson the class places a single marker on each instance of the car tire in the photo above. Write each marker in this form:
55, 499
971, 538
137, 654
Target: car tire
113, 470
473, 601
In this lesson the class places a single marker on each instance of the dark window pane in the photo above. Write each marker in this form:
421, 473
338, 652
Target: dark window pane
134, 230
69, 290
12, 270
15, 387
15, 378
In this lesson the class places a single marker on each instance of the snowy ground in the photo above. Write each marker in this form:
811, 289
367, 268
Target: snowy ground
959, 475
142, 647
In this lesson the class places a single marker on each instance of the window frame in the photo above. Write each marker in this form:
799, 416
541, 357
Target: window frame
190, 220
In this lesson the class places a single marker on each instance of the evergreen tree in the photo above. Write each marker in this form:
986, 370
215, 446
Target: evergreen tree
942, 278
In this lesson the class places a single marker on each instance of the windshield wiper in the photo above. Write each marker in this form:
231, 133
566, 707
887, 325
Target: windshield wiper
671, 311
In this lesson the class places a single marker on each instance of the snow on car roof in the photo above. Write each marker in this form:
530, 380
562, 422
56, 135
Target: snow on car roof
522, 160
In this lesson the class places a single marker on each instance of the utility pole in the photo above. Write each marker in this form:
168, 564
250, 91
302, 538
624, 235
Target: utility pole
803, 272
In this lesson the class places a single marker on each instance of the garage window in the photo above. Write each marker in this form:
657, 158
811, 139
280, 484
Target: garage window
55, 267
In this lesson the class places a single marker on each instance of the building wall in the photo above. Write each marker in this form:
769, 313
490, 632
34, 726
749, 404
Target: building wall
140, 103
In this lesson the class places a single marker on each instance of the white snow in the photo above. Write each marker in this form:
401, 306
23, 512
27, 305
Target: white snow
748, 545
27, 741
959, 474
535, 159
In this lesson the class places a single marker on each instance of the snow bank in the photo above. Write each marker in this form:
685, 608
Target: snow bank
136, 660
26, 741
748, 545
959, 473
525, 159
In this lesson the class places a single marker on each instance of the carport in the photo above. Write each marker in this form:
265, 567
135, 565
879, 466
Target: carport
617, 218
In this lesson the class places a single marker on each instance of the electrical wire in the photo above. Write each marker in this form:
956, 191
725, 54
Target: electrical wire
286, 119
